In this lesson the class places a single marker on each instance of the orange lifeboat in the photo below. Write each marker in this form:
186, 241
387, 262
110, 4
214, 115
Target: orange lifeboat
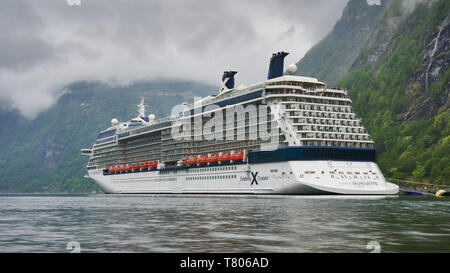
213, 159
191, 161
111, 170
203, 160
237, 156
226, 158
195, 161
185, 161
209, 159
153, 165
221, 158
146, 165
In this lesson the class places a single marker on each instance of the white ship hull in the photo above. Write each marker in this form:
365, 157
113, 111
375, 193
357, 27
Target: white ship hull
295, 135
288, 177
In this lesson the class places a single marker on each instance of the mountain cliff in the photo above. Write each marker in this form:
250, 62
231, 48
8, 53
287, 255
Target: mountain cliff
399, 84
394, 61
331, 58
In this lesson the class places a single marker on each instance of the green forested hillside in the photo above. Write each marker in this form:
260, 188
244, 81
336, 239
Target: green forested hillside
402, 92
43, 154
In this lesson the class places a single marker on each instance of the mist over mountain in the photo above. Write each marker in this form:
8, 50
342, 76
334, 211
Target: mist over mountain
43, 154
46, 45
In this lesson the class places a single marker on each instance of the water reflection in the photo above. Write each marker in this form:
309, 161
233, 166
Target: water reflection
212, 223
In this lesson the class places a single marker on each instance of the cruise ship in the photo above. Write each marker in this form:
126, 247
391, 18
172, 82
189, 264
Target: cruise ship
286, 135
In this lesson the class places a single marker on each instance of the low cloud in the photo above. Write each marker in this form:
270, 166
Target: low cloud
48, 44
408, 6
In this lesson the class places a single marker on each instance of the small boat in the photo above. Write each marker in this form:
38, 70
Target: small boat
146, 165
237, 157
153, 165
441, 193
185, 161
213, 159
203, 160
225, 158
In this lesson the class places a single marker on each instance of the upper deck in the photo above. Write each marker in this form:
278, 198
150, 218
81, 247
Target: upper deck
299, 111
283, 86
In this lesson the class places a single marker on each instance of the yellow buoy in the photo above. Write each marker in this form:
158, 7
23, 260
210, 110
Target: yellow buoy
439, 193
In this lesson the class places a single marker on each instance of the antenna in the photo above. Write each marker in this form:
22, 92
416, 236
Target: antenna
141, 108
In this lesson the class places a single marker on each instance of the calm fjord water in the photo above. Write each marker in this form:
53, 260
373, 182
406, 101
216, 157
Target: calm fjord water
208, 223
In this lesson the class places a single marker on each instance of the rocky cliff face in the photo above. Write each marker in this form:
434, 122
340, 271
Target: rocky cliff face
399, 84
424, 85
332, 57
421, 87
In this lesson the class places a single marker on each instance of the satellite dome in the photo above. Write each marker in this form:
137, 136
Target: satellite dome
151, 117
292, 68
114, 121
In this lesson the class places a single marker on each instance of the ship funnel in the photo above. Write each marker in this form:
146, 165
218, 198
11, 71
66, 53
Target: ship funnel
228, 80
276, 65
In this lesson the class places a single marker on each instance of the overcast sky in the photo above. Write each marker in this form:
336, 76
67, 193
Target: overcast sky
47, 44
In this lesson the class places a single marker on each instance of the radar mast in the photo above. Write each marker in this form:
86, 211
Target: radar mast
141, 108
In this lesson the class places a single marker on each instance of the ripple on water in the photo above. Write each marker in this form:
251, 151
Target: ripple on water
214, 223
